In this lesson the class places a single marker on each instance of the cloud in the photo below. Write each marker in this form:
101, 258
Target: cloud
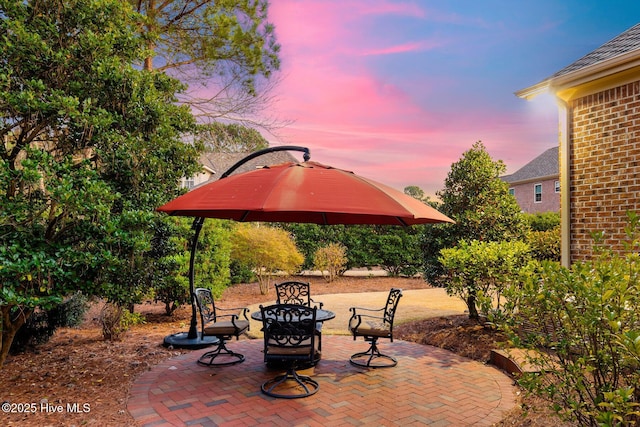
374, 103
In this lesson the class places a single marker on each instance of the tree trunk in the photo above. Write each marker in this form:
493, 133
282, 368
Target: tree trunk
9, 329
471, 306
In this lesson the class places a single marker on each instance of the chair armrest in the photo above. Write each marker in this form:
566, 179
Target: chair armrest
233, 318
317, 303
242, 311
354, 309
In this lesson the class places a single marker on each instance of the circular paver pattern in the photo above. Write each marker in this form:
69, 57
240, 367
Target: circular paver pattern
429, 386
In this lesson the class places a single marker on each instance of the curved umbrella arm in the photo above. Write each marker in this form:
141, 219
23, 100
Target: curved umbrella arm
198, 221
305, 150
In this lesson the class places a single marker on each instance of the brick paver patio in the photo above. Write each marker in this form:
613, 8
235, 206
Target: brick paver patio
430, 386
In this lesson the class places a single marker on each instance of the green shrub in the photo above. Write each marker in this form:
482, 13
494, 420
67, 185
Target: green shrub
241, 273
545, 245
543, 221
478, 272
42, 324
584, 323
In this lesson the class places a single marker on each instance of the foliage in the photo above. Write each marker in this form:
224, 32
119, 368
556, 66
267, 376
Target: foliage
311, 237
230, 138
544, 221
396, 249
331, 260
241, 273
87, 140
42, 324
418, 194
171, 254
266, 250
478, 272
584, 323
225, 49
117, 320
545, 245
479, 201
214, 256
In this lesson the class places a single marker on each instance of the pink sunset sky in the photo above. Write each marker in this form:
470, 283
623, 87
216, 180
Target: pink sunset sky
397, 91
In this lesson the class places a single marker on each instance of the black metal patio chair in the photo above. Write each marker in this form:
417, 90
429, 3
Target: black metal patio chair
364, 322
290, 341
222, 326
295, 292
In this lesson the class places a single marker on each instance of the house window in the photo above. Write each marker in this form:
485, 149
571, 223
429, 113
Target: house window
188, 183
537, 193
512, 191
557, 186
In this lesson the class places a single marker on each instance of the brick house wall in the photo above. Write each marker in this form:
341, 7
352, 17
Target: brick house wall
524, 194
604, 166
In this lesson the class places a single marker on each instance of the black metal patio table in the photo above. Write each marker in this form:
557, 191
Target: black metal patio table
321, 315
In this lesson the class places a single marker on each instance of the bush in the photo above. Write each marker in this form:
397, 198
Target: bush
117, 320
42, 324
545, 245
331, 260
543, 221
584, 323
266, 250
478, 272
241, 273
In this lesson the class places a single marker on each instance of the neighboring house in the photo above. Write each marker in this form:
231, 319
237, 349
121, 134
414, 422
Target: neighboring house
215, 164
536, 185
599, 101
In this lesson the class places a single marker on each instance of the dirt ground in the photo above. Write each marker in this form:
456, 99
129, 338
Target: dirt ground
79, 379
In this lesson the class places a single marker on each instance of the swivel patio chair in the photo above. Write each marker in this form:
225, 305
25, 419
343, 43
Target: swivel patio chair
290, 341
295, 292
363, 323
222, 326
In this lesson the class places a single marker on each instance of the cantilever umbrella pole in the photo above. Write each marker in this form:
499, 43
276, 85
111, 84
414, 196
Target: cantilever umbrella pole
191, 339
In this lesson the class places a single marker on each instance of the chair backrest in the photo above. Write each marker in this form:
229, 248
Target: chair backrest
293, 292
392, 304
289, 332
206, 305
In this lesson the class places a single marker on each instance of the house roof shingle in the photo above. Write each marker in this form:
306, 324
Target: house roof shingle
626, 42
219, 163
543, 166
617, 55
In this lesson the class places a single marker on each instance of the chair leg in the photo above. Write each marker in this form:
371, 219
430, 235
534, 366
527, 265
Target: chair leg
285, 386
220, 356
373, 355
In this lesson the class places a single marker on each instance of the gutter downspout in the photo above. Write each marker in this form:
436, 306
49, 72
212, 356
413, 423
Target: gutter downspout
564, 121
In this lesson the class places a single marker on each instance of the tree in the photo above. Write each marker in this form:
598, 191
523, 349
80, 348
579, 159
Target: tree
223, 48
90, 146
479, 201
330, 260
266, 250
418, 194
230, 138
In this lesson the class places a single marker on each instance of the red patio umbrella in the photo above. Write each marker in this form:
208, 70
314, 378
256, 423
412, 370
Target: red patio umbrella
306, 192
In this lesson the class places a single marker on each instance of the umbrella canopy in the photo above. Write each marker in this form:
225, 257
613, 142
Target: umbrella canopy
307, 192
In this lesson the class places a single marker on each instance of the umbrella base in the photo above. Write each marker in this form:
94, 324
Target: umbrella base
182, 340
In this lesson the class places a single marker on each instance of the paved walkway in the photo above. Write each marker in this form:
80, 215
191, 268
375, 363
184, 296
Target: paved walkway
429, 386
